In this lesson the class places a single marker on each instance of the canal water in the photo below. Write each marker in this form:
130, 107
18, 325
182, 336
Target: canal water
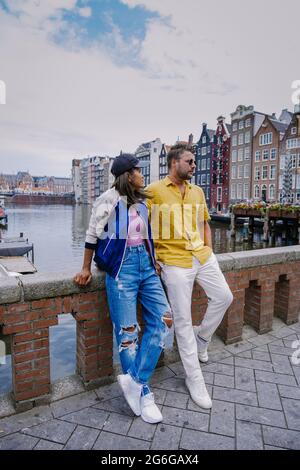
58, 234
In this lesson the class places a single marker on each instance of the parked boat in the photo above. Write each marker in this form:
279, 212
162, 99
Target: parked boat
14, 256
3, 216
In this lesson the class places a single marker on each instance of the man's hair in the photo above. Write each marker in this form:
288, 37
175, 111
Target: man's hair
176, 152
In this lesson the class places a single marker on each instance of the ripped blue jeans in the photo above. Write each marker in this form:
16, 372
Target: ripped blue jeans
138, 281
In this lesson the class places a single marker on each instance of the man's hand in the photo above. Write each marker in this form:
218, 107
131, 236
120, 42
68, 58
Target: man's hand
83, 278
158, 269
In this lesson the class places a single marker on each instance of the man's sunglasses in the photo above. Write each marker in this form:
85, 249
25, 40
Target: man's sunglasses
190, 162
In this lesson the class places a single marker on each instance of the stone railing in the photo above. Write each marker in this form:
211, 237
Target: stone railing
264, 283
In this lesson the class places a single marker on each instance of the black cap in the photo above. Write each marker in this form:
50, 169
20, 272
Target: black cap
125, 162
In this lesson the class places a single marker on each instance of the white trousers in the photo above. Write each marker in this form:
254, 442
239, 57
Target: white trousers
179, 283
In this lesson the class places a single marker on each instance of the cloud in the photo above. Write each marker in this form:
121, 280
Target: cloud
70, 98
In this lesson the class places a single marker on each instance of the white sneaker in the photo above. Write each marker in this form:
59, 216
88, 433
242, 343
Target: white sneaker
149, 410
198, 392
203, 356
132, 392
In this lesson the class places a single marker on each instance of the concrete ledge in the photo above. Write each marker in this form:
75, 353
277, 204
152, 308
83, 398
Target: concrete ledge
40, 286
10, 290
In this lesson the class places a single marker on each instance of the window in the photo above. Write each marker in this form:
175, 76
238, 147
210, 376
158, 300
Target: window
203, 151
273, 154
207, 178
265, 154
292, 143
256, 191
257, 155
240, 171
203, 164
266, 139
208, 148
246, 171
233, 172
208, 164
241, 125
204, 139
240, 155
234, 127
248, 123
298, 197
298, 160
294, 160
246, 191
233, 191
203, 180
247, 137
272, 172
198, 165
219, 194
155, 150
247, 153
282, 162
280, 182
298, 182
234, 155
239, 191
264, 172
241, 139
294, 130
234, 141
257, 173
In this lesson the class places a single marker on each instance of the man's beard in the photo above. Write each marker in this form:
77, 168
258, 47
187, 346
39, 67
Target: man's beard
184, 175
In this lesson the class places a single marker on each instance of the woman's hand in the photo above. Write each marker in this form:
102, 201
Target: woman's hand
83, 278
158, 269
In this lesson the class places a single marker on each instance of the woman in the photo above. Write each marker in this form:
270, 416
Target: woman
120, 234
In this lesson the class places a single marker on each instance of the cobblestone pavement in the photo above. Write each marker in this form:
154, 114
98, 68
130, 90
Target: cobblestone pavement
256, 405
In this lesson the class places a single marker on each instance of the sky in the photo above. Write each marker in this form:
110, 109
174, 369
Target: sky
93, 77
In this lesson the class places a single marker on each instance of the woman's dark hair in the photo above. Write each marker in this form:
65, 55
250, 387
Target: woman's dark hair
176, 151
125, 188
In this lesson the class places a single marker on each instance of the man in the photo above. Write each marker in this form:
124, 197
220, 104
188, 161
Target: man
182, 236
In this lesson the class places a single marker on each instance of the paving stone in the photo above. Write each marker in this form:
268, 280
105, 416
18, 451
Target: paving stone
248, 436
159, 395
260, 340
292, 413
289, 392
18, 441
55, 430
177, 368
246, 354
186, 419
260, 415
90, 417
110, 441
108, 392
222, 418
235, 396
228, 360
196, 440
296, 370
263, 348
25, 420
142, 430
116, 405
274, 448
166, 437
281, 364
290, 340
161, 374
283, 332
284, 351
275, 378
220, 368
224, 380
261, 356
76, 403
218, 355
119, 424
268, 396
244, 379
239, 347
48, 445
176, 400
281, 438
173, 384
83, 438
277, 342
253, 364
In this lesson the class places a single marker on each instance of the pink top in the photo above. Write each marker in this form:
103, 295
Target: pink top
136, 230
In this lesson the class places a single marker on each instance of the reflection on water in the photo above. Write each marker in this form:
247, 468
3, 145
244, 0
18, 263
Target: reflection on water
58, 234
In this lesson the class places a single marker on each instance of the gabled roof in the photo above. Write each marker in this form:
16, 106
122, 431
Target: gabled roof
280, 126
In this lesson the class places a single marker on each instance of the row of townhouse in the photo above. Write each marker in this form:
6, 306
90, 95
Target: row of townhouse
23, 181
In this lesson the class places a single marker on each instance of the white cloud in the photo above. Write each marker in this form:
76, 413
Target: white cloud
197, 63
85, 12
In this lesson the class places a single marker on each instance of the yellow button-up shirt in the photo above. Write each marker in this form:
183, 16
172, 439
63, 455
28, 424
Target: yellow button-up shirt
178, 223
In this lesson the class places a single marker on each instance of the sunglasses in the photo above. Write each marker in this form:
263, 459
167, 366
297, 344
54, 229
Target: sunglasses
190, 162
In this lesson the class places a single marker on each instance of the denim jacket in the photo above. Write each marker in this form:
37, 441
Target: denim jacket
108, 231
